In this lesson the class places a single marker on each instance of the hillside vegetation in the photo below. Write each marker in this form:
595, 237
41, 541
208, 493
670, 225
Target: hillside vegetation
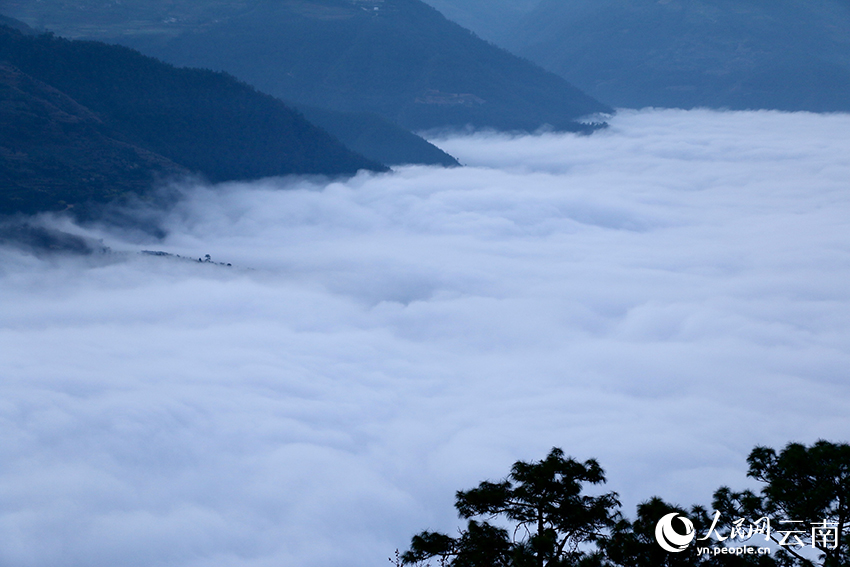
55, 152
85, 121
400, 59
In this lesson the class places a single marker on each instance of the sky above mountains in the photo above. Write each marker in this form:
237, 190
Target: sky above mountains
662, 295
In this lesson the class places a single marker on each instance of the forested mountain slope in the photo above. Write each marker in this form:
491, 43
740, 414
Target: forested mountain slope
398, 58
110, 114
55, 152
490, 19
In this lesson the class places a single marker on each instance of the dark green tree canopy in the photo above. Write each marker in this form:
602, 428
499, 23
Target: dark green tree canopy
543, 503
546, 520
803, 487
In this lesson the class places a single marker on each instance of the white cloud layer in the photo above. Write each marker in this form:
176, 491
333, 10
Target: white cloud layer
663, 296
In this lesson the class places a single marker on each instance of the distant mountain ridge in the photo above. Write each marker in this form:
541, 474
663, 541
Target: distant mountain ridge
86, 121
400, 59
739, 54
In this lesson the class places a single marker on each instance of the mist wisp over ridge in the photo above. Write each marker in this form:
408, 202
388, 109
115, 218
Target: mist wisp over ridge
661, 295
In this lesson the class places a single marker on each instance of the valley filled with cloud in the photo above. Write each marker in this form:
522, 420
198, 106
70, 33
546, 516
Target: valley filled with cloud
662, 295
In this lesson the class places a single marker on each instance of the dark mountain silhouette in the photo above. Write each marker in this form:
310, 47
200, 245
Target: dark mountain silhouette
377, 138
55, 153
88, 121
490, 19
400, 59
372, 136
16, 25
778, 54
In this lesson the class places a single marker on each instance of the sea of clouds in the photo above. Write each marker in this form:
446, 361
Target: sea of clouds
662, 296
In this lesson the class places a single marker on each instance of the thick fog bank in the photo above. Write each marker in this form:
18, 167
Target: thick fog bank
662, 296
